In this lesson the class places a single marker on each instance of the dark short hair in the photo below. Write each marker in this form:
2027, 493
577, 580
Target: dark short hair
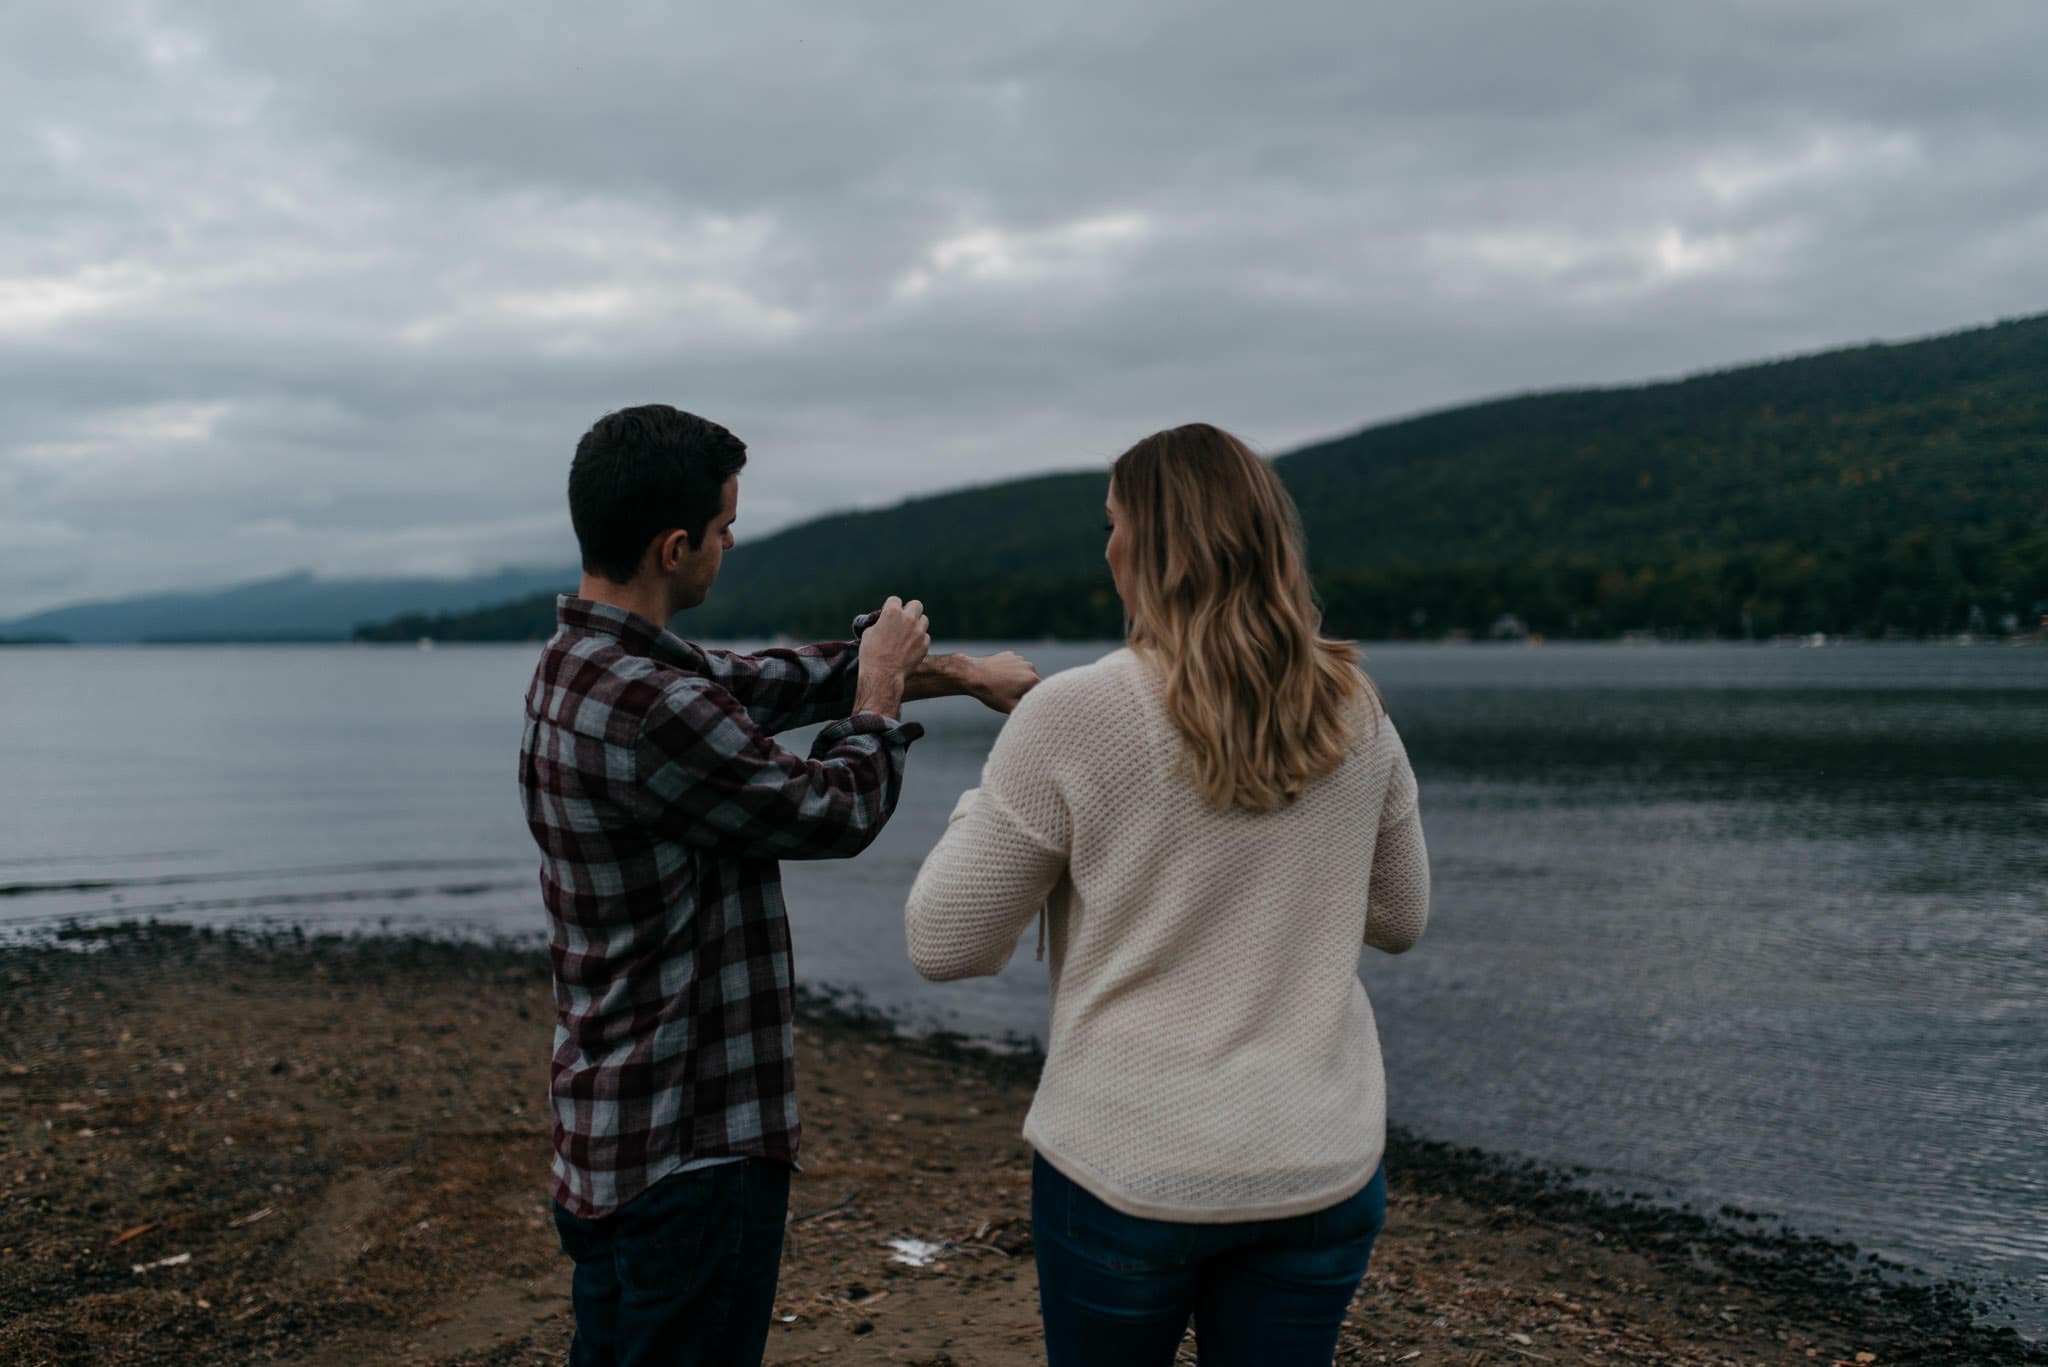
643, 471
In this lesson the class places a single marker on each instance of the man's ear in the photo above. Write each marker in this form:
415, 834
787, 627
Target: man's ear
671, 549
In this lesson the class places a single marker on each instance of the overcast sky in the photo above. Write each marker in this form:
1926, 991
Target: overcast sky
337, 286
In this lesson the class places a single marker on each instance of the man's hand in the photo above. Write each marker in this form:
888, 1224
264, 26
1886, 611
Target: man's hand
890, 650
1001, 681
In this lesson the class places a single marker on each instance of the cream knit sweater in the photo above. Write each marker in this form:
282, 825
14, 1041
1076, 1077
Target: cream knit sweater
1213, 1056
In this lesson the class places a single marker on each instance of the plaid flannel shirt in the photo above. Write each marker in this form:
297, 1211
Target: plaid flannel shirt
661, 805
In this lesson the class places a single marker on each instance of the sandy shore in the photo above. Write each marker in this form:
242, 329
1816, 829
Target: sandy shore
332, 1152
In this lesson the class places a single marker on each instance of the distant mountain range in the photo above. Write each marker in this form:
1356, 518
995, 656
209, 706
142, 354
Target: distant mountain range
295, 607
1879, 489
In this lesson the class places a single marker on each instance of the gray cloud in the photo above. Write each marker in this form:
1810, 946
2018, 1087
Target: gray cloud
339, 289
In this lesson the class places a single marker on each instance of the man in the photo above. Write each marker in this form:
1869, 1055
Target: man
660, 804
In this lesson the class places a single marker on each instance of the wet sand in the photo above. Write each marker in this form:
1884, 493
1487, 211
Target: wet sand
218, 1150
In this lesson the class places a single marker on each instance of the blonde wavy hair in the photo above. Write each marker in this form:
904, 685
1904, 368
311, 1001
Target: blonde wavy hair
1219, 600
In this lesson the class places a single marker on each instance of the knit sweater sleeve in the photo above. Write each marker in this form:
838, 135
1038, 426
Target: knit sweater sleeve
1003, 853
1397, 906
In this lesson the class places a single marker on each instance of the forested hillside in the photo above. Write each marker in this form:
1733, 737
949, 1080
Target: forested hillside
1873, 490
292, 607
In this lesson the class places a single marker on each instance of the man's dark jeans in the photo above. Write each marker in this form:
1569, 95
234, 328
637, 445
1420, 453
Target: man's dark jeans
683, 1273
1118, 1291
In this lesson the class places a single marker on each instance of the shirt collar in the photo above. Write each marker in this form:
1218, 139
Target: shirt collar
635, 633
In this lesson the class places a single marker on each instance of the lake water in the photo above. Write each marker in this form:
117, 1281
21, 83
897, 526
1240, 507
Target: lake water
1752, 925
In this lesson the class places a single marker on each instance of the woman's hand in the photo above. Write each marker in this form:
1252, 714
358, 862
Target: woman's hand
1001, 681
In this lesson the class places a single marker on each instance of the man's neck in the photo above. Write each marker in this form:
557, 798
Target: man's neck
641, 598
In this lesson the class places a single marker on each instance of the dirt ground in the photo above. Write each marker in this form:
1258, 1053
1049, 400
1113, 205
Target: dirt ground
337, 1153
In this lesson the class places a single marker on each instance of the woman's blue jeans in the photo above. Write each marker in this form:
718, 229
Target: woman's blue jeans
1119, 1291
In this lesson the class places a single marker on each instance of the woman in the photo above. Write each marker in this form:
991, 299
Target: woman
1214, 819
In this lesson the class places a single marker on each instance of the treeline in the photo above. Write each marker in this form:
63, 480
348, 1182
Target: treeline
523, 619
1921, 584
1879, 489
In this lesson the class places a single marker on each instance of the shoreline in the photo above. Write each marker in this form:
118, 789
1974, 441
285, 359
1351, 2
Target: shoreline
301, 1148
